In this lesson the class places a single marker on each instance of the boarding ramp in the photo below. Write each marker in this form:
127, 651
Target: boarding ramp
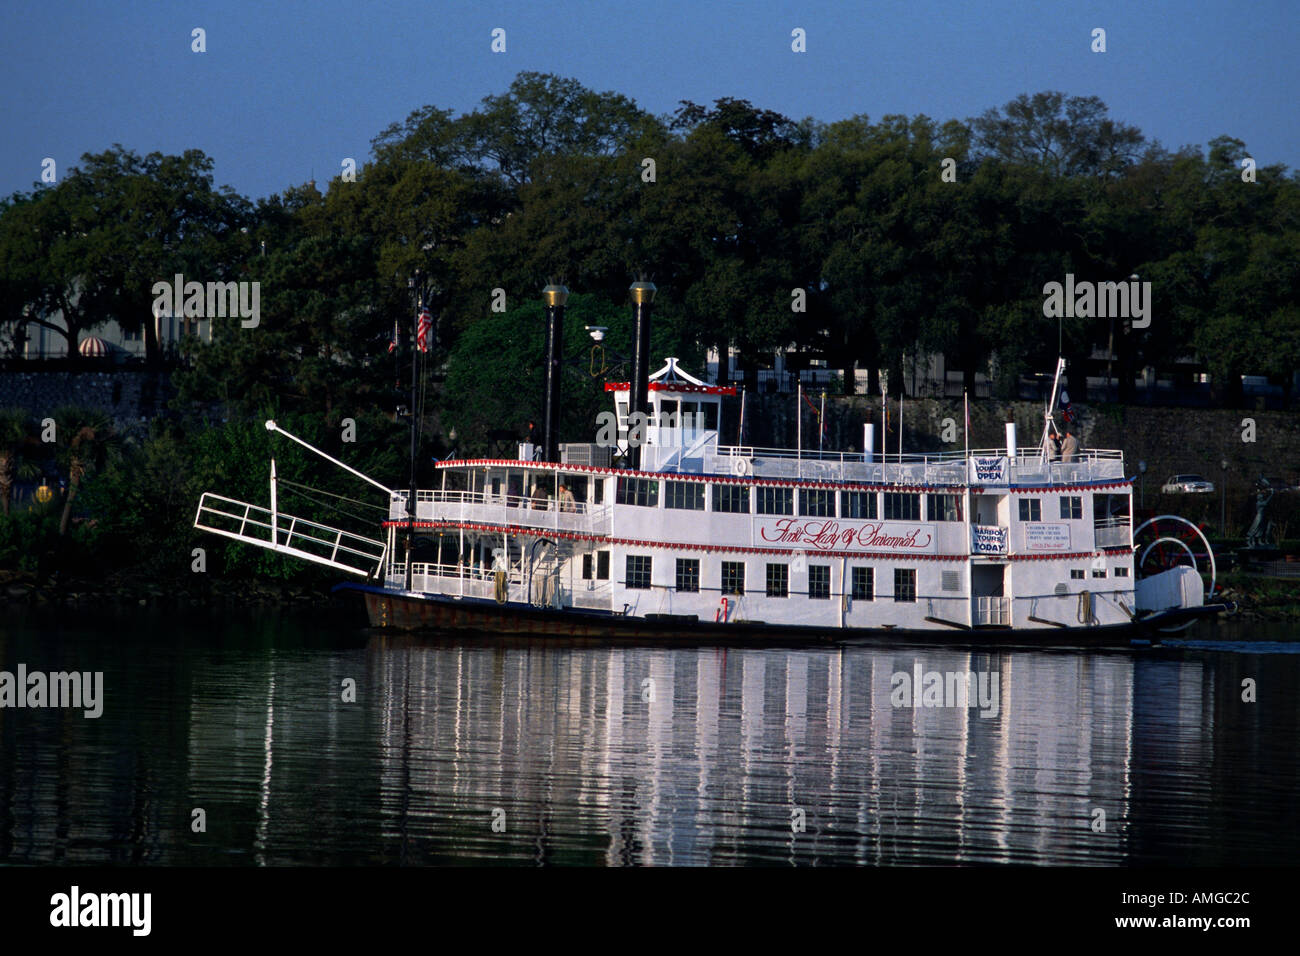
287, 534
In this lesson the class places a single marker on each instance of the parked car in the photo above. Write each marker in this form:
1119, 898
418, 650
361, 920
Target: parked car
1187, 485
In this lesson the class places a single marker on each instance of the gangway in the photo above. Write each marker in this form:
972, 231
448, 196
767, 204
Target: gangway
286, 534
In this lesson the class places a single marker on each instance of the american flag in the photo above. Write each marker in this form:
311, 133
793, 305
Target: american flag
424, 331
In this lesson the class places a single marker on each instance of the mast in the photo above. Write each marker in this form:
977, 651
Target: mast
410, 500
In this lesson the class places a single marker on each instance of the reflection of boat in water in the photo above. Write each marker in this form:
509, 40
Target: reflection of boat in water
662, 531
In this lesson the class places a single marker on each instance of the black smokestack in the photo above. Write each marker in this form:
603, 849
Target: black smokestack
555, 296
643, 293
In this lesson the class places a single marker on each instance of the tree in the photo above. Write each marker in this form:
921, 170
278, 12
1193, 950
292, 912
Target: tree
1065, 135
84, 440
15, 436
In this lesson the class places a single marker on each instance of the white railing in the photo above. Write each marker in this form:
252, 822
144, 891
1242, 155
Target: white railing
993, 610
462, 580
486, 508
931, 468
287, 534
1112, 532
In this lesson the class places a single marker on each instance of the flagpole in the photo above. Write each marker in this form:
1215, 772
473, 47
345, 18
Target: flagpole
740, 432
821, 423
410, 502
900, 426
884, 420
965, 404
798, 417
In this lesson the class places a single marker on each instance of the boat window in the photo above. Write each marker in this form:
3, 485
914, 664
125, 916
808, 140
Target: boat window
819, 582
902, 506
733, 577
905, 584
1076, 574
668, 414
864, 584
1071, 506
684, 495
733, 499
643, 492
602, 565
816, 503
1031, 509
774, 501
710, 412
858, 504
778, 580
943, 507
638, 571
688, 574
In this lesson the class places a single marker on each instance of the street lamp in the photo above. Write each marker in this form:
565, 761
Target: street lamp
1142, 484
1223, 497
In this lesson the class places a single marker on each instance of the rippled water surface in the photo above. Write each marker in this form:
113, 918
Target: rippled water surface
476, 750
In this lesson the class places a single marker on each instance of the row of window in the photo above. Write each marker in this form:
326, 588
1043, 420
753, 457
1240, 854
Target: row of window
862, 581
1078, 573
1031, 509
812, 502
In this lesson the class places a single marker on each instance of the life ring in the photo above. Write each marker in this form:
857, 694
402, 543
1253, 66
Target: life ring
740, 467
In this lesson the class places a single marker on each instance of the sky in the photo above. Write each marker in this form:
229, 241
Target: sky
286, 91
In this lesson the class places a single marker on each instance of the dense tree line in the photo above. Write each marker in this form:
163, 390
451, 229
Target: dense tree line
906, 236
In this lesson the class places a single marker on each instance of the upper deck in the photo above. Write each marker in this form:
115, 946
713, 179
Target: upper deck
983, 467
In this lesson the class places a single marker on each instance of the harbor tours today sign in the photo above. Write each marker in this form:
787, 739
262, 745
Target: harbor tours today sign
988, 539
826, 534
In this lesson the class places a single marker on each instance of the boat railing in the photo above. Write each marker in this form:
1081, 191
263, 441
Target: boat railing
1112, 532
935, 468
483, 507
288, 534
465, 580
993, 610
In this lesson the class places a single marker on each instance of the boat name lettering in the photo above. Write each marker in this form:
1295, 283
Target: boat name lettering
828, 535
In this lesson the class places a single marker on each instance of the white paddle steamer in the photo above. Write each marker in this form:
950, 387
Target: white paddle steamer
681, 536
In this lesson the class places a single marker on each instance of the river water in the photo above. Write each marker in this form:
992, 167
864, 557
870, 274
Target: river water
529, 752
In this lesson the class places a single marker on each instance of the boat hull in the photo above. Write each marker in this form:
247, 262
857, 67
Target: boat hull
392, 609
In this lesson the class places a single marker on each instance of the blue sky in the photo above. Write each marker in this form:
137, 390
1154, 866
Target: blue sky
288, 88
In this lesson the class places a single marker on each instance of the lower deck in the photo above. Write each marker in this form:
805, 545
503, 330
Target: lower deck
786, 588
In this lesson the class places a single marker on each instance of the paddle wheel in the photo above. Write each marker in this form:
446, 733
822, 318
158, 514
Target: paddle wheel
1167, 542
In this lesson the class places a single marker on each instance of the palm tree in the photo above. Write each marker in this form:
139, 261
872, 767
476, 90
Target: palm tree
85, 437
15, 435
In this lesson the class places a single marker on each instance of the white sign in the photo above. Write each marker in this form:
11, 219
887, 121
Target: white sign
988, 539
1047, 537
827, 534
988, 471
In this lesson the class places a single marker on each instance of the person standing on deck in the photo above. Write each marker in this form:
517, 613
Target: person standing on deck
1070, 447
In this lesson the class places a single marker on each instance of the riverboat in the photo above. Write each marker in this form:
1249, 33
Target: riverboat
662, 531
